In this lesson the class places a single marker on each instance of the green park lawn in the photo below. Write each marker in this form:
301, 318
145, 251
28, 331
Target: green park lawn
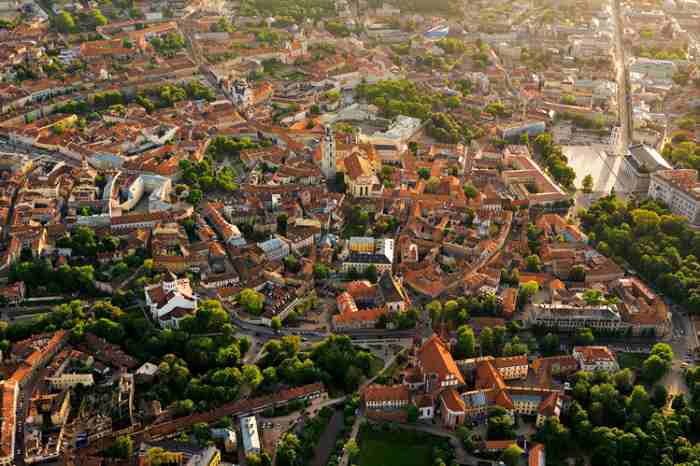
632, 361
395, 448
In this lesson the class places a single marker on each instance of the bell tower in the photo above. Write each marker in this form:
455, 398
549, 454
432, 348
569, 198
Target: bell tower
328, 161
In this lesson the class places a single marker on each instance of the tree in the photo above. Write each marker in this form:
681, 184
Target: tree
435, 310
465, 436
251, 376
514, 347
584, 336
202, 433
470, 191
533, 263
500, 425
98, 18
577, 273
624, 380
511, 455
289, 450
587, 184
123, 447
466, 343
64, 22
321, 272
251, 300
554, 436
412, 413
157, 456
262, 459
276, 324
664, 351
593, 297
184, 407
654, 368
424, 173
351, 449
195, 197
659, 396
372, 274
526, 291
282, 224
549, 346
638, 402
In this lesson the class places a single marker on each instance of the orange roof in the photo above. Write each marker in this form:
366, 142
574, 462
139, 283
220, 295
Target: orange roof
548, 407
536, 456
435, 358
499, 444
557, 284
511, 361
378, 393
510, 297
539, 278
452, 400
594, 353
363, 315
488, 377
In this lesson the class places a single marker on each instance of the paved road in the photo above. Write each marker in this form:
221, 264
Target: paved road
623, 97
358, 420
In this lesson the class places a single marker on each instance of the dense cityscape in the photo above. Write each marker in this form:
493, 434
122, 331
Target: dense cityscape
350, 232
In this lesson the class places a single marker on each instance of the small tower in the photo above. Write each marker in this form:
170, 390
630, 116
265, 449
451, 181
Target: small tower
328, 153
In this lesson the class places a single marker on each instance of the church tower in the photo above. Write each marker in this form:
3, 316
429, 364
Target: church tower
328, 153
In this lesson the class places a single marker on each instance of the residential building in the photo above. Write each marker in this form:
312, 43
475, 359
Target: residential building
275, 249
170, 301
643, 310
680, 190
596, 358
381, 257
654, 69
249, 435
384, 397
512, 367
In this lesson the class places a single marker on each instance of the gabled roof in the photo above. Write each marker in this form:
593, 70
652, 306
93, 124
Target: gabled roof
379, 393
452, 400
435, 358
591, 354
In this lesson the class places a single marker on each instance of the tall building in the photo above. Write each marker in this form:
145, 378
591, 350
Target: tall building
680, 190
328, 153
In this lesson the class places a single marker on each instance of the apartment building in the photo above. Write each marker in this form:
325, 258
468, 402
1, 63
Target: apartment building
680, 189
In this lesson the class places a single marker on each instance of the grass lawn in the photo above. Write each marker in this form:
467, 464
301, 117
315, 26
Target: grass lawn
396, 448
632, 361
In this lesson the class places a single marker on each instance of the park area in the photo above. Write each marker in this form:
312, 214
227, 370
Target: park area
384, 445
632, 361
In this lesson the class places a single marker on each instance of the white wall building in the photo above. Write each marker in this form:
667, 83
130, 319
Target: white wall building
170, 301
249, 435
679, 189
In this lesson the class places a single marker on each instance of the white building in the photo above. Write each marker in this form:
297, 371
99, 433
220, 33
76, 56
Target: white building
70, 380
654, 69
638, 165
170, 301
249, 434
595, 358
679, 189
381, 256
571, 316
275, 248
395, 139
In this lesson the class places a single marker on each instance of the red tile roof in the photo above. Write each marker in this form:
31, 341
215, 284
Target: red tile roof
452, 400
435, 358
380, 393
